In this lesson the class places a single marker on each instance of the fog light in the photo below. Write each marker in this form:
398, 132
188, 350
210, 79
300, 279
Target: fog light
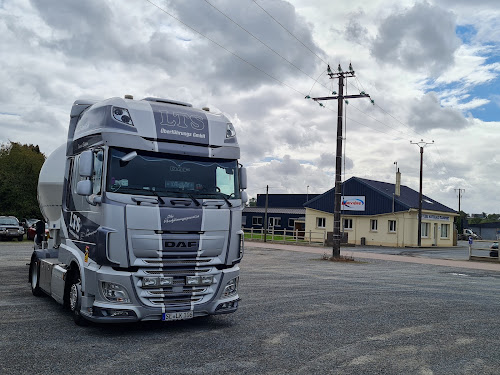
150, 281
231, 288
114, 292
230, 132
122, 115
193, 280
207, 280
166, 281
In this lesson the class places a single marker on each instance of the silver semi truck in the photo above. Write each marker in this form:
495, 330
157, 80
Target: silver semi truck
144, 208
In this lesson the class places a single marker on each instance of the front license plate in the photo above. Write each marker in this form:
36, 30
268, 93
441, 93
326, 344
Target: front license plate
183, 315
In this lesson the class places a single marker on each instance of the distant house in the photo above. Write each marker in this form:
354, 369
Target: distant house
285, 211
381, 213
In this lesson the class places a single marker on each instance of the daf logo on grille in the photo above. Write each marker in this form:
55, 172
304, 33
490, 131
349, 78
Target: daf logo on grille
184, 244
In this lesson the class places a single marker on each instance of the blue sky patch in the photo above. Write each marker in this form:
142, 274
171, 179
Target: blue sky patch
466, 33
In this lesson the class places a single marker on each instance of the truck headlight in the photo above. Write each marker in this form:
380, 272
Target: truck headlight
231, 288
114, 292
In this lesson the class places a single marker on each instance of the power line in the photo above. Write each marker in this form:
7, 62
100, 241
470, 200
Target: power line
253, 65
224, 48
260, 41
289, 32
357, 80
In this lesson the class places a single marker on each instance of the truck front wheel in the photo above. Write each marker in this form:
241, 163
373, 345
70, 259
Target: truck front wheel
35, 279
75, 301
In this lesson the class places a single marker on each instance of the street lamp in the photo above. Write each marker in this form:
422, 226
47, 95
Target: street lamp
420, 144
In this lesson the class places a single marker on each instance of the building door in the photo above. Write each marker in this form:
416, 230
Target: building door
435, 235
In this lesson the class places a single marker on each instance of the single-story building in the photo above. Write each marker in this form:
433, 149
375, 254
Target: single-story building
284, 211
381, 213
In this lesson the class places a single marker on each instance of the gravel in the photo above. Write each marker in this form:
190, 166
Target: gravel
298, 315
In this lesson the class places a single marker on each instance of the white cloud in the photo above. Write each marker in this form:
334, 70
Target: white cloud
421, 38
55, 52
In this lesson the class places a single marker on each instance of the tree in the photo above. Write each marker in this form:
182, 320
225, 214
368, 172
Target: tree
19, 169
252, 202
461, 220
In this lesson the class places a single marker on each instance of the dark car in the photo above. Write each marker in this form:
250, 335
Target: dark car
26, 223
494, 250
31, 232
10, 228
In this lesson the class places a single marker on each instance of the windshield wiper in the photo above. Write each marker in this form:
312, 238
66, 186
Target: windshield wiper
142, 190
221, 195
196, 202
160, 199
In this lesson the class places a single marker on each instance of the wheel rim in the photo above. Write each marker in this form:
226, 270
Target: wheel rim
34, 276
73, 297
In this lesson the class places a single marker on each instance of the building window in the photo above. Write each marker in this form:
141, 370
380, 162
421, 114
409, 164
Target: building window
373, 225
274, 222
445, 230
320, 222
425, 229
392, 226
291, 222
257, 220
347, 223
243, 220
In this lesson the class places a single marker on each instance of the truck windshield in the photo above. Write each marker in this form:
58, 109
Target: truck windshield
180, 175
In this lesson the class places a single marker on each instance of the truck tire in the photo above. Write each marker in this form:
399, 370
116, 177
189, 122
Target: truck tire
75, 301
20, 238
35, 278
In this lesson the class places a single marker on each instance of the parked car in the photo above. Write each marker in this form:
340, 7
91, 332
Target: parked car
10, 228
31, 232
494, 250
26, 223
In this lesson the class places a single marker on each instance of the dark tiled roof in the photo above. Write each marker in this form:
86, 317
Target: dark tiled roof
276, 210
284, 200
379, 197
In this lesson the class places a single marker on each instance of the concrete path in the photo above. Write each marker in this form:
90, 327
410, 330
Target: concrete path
367, 255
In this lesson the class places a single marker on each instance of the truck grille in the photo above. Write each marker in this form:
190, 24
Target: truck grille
177, 296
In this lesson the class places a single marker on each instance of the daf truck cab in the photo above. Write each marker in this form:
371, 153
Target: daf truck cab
144, 208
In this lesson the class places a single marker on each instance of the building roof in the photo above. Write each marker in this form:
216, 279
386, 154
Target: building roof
378, 196
284, 200
275, 210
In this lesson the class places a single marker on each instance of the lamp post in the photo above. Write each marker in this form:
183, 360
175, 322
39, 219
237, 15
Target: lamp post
420, 144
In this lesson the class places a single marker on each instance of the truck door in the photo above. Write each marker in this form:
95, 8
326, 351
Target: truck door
82, 217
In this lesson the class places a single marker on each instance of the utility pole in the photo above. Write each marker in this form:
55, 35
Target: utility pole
340, 97
420, 144
460, 191
265, 213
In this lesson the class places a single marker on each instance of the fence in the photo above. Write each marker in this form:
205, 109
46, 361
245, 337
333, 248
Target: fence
484, 250
286, 236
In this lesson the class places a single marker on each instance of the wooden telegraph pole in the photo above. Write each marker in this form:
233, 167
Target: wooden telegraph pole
340, 97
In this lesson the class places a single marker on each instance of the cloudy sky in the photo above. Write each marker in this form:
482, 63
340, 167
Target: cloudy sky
432, 68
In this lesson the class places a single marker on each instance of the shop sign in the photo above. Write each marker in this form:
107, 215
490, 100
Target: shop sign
353, 203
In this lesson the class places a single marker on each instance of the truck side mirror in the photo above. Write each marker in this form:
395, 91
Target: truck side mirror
84, 188
86, 163
244, 197
243, 178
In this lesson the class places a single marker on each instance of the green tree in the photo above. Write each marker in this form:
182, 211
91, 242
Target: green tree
252, 202
19, 169
460, 220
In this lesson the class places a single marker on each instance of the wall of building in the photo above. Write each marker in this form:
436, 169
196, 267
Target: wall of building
285, 220
405, 234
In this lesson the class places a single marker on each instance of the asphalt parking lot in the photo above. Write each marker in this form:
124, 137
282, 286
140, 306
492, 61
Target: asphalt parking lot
298, 315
